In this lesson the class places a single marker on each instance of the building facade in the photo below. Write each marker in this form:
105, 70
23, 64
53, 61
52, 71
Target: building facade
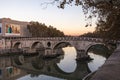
13, 28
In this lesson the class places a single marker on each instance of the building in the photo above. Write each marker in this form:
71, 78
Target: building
13, 28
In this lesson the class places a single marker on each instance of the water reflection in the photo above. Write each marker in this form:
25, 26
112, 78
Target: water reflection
97, 62
40, 77
7, 71
64, 67
38, 66
68, 64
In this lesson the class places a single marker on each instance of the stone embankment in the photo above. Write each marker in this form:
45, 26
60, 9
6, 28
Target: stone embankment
111, 68
9, 52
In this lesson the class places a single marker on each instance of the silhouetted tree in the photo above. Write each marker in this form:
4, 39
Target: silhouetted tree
92, 35
41, 30
106, 11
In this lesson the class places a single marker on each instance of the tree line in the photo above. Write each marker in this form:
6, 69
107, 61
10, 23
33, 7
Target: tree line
41, 30
92, 35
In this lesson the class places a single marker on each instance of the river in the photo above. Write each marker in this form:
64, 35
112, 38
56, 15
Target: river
64, 67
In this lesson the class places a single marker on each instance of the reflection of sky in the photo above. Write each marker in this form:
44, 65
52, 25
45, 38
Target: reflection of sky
41, 77
68, 64
97, 62
70, 20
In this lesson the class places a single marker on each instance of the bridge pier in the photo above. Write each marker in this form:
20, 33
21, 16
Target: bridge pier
49, 53
52, 52
82, 56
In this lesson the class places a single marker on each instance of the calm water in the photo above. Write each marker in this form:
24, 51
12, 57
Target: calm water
64, 67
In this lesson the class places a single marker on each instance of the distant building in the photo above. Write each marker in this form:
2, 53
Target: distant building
10, 27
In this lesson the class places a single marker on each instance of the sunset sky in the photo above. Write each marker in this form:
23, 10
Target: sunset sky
70, 20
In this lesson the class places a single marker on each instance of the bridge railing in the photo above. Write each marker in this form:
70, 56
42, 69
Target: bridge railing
57, 39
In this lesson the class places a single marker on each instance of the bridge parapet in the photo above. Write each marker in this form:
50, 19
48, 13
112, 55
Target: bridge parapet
59, 39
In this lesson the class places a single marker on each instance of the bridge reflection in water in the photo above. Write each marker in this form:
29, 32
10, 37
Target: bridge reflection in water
37, 66
32, 68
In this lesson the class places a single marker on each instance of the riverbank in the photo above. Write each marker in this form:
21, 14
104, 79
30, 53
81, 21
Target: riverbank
89, 76
11, 52
111, 68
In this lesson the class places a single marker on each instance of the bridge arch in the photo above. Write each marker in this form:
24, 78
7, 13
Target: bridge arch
37, 45
17, 45
38, 63
61, 71
91, 45
62, 44
19, 60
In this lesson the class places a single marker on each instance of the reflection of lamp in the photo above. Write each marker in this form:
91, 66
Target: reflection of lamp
10, 70
0, 29
0, 72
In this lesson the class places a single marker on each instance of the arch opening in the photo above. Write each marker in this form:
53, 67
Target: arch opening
62, 45
48, 44
99, 49
38, 63
19, 60
17, 45
37, 45
99, 53
58, 48
68, 63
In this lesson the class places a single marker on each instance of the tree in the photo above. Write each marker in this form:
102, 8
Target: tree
106, 11
41, 30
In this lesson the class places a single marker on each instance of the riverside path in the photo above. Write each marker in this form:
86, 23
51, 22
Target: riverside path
111, 68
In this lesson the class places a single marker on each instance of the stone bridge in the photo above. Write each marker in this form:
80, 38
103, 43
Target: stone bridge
50, 44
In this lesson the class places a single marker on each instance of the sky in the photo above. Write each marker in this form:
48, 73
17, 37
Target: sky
70, 20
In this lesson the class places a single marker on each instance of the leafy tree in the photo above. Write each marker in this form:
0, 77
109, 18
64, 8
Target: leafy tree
41, 30
106, 11
92, 35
